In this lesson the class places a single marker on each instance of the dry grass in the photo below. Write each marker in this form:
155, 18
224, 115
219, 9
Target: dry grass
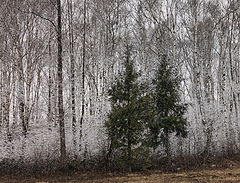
201, 176
207, 176
229, 173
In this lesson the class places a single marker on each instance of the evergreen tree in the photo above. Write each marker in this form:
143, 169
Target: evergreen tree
131, 110
169, 111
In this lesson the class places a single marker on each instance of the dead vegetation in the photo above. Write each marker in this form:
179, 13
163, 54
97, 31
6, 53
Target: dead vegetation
203, 176
224, 171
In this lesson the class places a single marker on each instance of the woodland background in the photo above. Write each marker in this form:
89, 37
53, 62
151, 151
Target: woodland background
200, 37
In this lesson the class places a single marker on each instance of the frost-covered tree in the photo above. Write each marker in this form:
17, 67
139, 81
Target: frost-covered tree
60, 84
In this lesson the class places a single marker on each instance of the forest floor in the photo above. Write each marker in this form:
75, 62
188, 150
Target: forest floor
227, 171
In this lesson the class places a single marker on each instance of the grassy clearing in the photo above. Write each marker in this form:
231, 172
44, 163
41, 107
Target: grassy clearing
226, 171
201, 176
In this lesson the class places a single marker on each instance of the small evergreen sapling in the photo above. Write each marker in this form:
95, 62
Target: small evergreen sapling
131, 109
169, 111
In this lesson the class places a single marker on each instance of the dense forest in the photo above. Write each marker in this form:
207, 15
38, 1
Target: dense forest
118, 83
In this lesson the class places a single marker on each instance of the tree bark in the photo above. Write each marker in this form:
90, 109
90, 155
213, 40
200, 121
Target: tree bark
60, 83
72, 73
83, 75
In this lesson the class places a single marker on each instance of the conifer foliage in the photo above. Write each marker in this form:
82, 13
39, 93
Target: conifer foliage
131, 111
169, 111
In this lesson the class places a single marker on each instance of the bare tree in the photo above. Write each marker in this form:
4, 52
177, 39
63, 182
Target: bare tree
72, 72
60, 82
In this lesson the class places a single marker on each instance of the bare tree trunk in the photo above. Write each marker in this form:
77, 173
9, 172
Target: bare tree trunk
72, 73
83, 75
5, 102
50, 87
21, 97
60, 84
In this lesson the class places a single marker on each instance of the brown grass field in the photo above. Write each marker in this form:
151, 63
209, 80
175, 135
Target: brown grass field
225, 172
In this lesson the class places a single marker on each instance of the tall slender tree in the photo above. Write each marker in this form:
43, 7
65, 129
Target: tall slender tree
60, 83
72, 72
83, 72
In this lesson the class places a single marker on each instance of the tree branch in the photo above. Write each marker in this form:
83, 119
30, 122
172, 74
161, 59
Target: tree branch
40, 16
